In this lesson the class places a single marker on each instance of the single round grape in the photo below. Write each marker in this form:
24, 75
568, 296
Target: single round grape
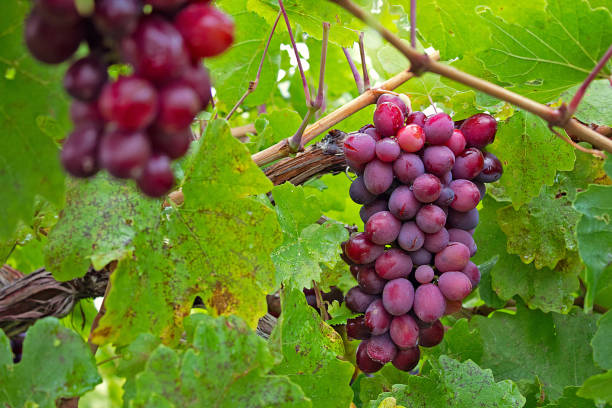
372, 208
361, 250
382, 228
467, 195
438, 128
157, 178
357, 329
492, 169
49, 43
459, 235
207, 31
387, 150
85, 78
156, 50
381, 348
447, 195
410, 238
429, 304
479, 130
395, 100
482, 189
473, 273
377, 318
468, 164
178, 105
430, 219
454, 285
84, 113
359, 148
420, 257
117, 18
416, 118
438, 160
404, 331
393, 263
166, 5
124, 154
403, 204
357, 300
462, 220
431, 336
452, 258
388, 118
196, 76
79, 152
456, 142
397, 296
452, 306
411, 138
424, 274
364, 362
407, 359
359, 193
130, 102
274, 305
378, 176
173, 144
437, 241
408, 167
59, 13
371, 130
369, 281
427, 188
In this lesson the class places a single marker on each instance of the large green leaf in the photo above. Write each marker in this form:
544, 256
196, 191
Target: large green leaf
56, 363
571, 400
602, 347
598, 387
594, 106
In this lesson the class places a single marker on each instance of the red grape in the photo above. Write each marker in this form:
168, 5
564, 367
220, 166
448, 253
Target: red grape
468, 164
397, 296
410, 238
430, 219
438, 160
395, 100
407, 359
359, 193
85, 78
166, 5
197, 77
467, 195
427, 188
157, 178
377, 318
382, 228
408, 167
359, 147
83, 113
124, 154
404, 331
59, 13
178, 105
479, 130
492, 169
357, 300
361, 250
117, 18
462, 220
456, 142
473, 273
207, 31
49, 43
387, 149
131, 102
364, 362
437, 241
411, 138
378, 176
431, 336
454, 285
416, 118
357, 329
429, 304
482, 189
393, 263
452, 258
381, 348
438, 128
369, 281
420, 257
403, 204
424, 274
173, 144
79, 152
388, 118
459, 235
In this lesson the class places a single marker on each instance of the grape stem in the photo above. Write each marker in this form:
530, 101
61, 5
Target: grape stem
421, 63
320, 304
354, 70
366, 77
413, 23
581, 91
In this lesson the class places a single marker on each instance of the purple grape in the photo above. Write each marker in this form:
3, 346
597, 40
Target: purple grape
408, 167
49, 43
431, 336
452, 258
429, 304
393, 263
467, 195
438, 160
178, 105
430, 219
357, 300
207, 30
357, 329
371, 130
462, 220
416, 118
372, 208
402, 203
388, 118
59, 13
454, 285
381, 348
117, 18
370, 282
397, 296
79, 152
364, 362
377, 318
492, 169
395, 100
479, 130
130, 102
424, 274
196, 76
421, 257
456, 142
85, 78
173, 144
473, 273
404, 331
468, 164
382, 228
427, 188
446, 178
411, 138
157, 177
459, 235
410, 238
387, 150
407, 359
88, 114
124, 154
361, 250
359, 148
359, 193
437, 241
378, 176
438, 128
355, 167
482, 188
447, 195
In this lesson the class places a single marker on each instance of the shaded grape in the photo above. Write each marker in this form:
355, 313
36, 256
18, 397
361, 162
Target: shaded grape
395, 100
454, 285
431, 336
85, 78
452, 258
447, 195
117, 18
416, 118
49, 43
172, 144
387, 149
437, 241
381, 348
372, 208
79, 152
393, 263
468, 164
357, 329
456, 142
124, 154
357, 300
274, 305
462, 220
361, 250
382, 228
410, 238
492, 169
178, 105
359, 193
377, 318
473, 273
452, 306
364, 362
59, 13
404, 331
459, 235
359, 148
196, 76
157, 178
378, 176
407, 359
86, 113
369, 281
482, 188
438, 160
467, 195
408, 167
420, 257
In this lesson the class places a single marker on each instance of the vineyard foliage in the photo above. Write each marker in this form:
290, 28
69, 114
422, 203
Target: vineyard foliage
544, 237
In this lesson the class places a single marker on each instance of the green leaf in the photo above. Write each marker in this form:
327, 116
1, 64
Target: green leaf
594, 106
460, 342
101, 218
56, 363
274, 126
485, 287
340, 313
598, 387
310, 350
602, 347
216, 246
383, 380
33, 113
571, 400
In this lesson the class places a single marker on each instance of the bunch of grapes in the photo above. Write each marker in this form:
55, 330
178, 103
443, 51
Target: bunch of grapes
132, 127
419, 181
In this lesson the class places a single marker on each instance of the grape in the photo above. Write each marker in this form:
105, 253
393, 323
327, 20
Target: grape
198, 79
473, 273
357, 300
446, 178
354, 268
359, 193
479, 130
447, 195
438, 160
85, 78
437, 241
431, 336
381, 348
178, 105
371, 130
378, 176
388, 118
364, 362
156, 50
357, 329
395, 100
463, 220
416, 118
131, 102
424, 274
492, 169
355, 167
430, 219
382, 228
173, 144
58, 12
410, 238
370, 282
456, 142
83, 113
402, 203
393, 263
124, 154
404, 331
452, 258
420, 257
361, 250
274, 305
387, 149
207, 31
157, 178
117, 18
359, 148
467, 195
452, 306
438, 128
408, 167
468, 164
407, 359
51, 44
397, 296
372, 208
79, 152
377, 318
459, 235
429, 304
482, 189
454, 285
427, 188
166, 5
411, 138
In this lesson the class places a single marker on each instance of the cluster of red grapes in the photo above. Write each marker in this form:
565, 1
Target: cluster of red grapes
419, 181
132, 127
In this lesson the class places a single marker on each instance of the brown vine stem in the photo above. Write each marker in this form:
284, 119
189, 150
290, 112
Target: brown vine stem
421, 63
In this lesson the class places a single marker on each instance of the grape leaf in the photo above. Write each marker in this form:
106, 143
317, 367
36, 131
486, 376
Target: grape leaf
381, 381
56, 363
602, 348
310, 350
594, 106
33, 113
340, 313
485, 287
224, 364
101, 217
571, 400
597, 387
460, 342
216, 246
274, 126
